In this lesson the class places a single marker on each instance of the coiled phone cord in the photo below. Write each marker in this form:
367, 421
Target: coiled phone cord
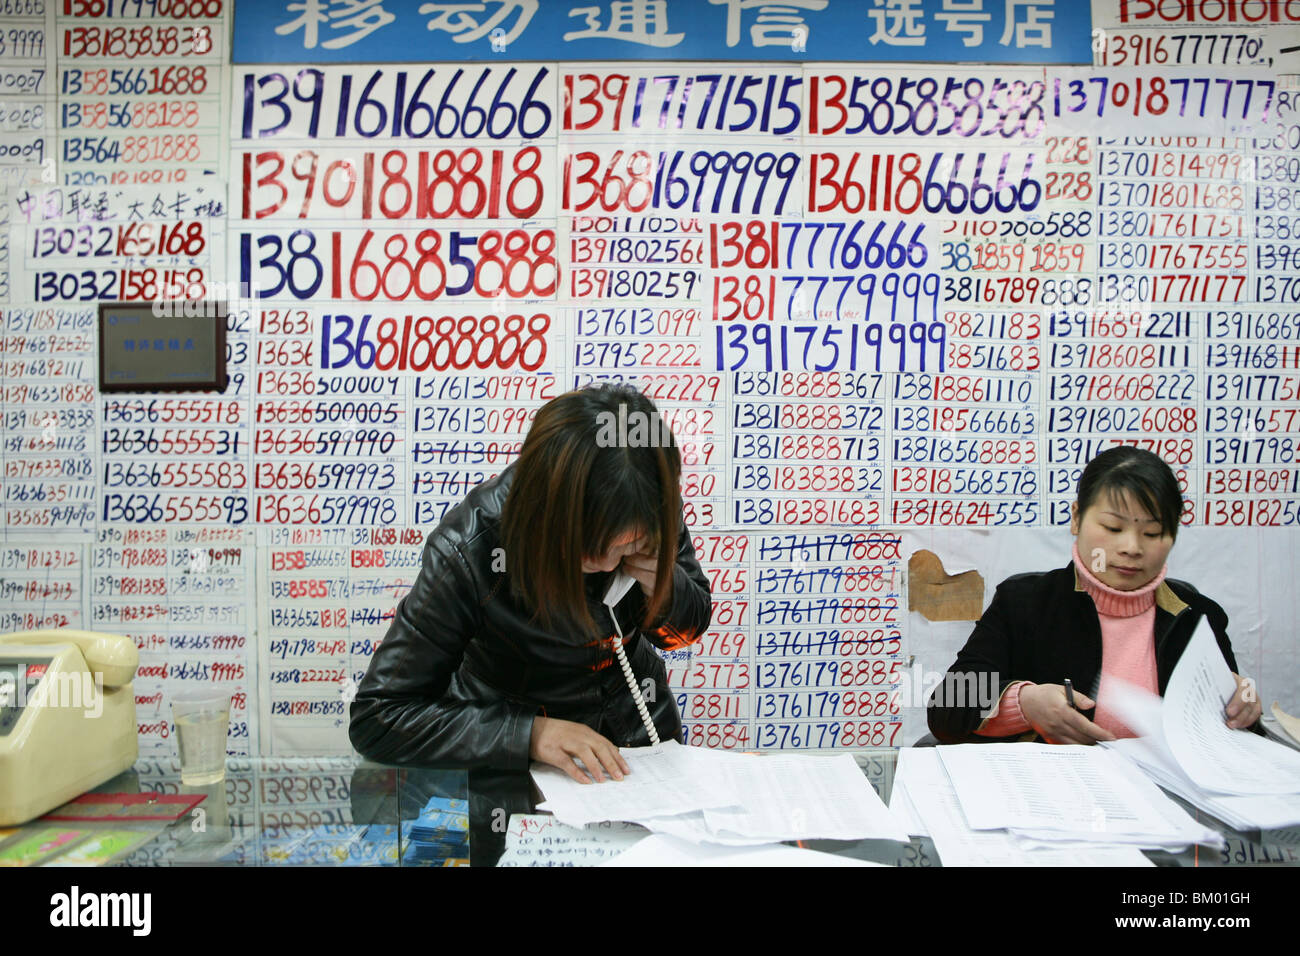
631, 682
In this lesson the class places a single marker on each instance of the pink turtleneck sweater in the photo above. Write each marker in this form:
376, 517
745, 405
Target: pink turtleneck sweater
1128, 653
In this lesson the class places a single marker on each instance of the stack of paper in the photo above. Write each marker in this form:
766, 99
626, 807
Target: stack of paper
923, 782
1245, 780
695, 797
662, 850
1065, 794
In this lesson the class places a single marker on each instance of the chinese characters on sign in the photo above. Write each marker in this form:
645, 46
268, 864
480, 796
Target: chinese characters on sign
1044, 31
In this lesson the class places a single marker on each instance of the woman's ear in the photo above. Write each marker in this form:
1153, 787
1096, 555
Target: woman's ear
1074, 517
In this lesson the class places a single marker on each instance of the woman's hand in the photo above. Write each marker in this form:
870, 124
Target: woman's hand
644, 566
1049, 713
559, 742
1244, 708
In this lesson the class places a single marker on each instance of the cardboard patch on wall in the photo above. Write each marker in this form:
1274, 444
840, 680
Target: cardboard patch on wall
941, 596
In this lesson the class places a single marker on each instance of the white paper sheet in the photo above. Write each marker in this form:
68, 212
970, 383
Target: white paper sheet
803, 798
1243, 812
935, 800
901, 805
692, 828
540, 840
1076, 789
665, 780
1216, 757
663, 850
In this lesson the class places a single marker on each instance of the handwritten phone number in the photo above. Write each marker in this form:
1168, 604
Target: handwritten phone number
661, 181
513, 263
273, 97
1065, 224
106, 114
1138, 223
136, 42
1252, 512
1147, 48
1077, 451
637, 321
125, 285
326, 510
336, 476
816, 479
628, 283
965, 451
1156, 96
800, 415
475, 421
328, 413
945, 512
130, 239
948, 419
172, 441
757, 245
443, 184
895, 183
881, 703
805, 447
641, 250
1172, 195
964, 481
1232, 481
751, 299
1237, 355
1238, 419
815, 736
423, 343
870, 578
601, 102
220, 475
166, 148
1121, 418
802, 511
968, 106
1005, 257
1067, 355
633, 354
873, 642
157, 509
807, 384
668, 388
143, 9
468, 453
1252, 451
1120, 324
832, 673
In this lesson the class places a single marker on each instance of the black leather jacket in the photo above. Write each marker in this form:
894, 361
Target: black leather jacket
1044, 628
462, 671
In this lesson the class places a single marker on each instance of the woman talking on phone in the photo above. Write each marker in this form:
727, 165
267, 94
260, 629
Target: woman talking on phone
1049, 640
503, 651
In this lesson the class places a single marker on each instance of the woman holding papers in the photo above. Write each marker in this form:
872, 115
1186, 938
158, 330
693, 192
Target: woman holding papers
1049, 639
502, 651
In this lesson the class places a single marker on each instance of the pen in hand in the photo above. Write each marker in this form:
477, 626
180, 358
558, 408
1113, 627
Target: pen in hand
1069, 694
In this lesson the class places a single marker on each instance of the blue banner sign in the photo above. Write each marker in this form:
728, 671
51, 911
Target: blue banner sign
416, 31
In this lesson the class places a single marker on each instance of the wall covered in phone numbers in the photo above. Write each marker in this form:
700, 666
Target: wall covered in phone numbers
876, 301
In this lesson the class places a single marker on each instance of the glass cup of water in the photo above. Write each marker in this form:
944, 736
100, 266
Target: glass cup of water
202, 723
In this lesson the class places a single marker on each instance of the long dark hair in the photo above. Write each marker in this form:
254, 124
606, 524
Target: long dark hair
1144, 475
597, 462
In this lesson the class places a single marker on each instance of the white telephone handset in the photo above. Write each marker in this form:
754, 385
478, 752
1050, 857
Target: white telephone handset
621, 584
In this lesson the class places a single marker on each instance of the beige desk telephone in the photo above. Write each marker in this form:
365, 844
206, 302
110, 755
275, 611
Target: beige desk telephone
67, 717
